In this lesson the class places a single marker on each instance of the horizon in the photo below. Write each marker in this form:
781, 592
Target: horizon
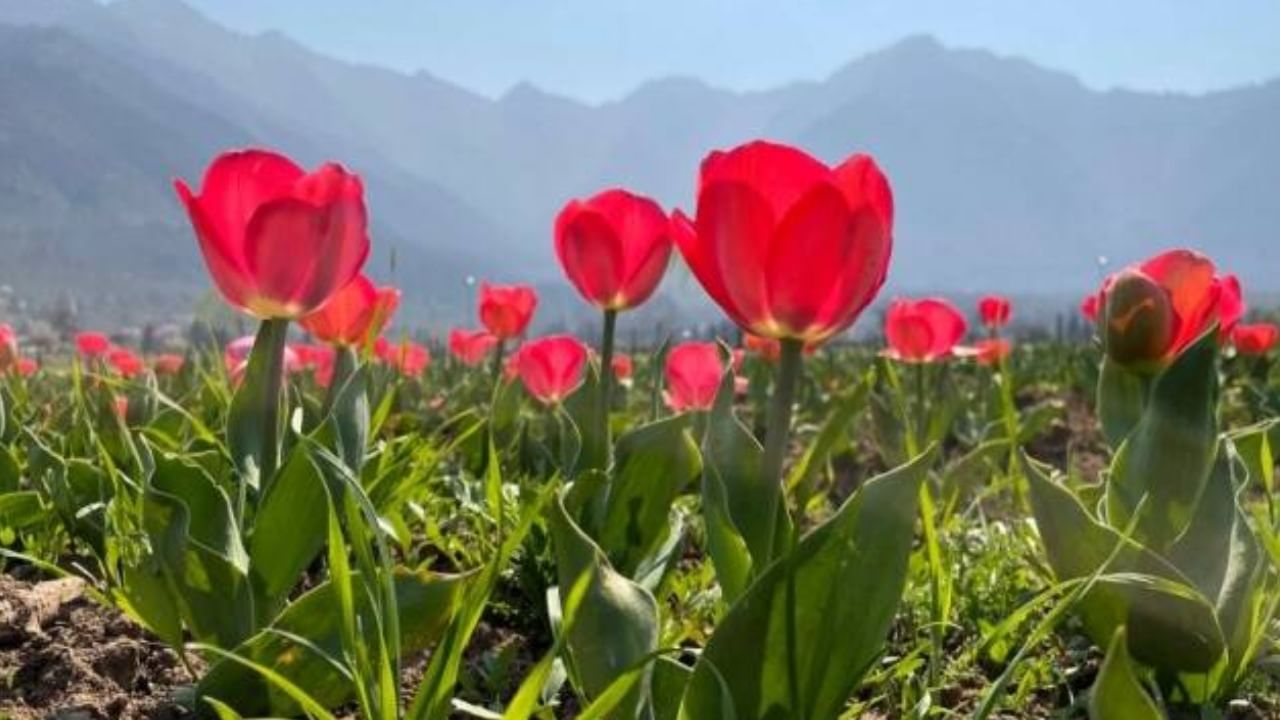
1185, 49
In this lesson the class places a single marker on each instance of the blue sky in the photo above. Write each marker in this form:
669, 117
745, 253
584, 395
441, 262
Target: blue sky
601, 49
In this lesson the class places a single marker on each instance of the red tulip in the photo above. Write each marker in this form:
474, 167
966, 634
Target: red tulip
354, 314
121, 405
1231, 305
92, 345
923, 330
614, 247
1155, 309
471, 347
27, 367
410, 358
694, 371
551, 367
1089, 307
168, 364
507, 309
622, 366
8, 347
994, 311
786, 246
125, 362
1255, 339
991, 351
278, 241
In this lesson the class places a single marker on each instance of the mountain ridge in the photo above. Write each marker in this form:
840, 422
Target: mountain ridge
1009, 176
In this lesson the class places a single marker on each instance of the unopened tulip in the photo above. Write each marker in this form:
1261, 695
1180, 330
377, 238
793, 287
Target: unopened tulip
168, 364
994, 311
694, 371
788, 247
125, 362
992, 351
614, 247
924, 330
1154, 310
551, 368
356, 313
622, 366
1256, 339
506, 310
410, 358
278, 242
92, 345
471, 347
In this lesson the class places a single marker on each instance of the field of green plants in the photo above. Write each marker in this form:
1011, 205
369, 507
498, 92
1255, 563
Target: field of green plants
331, 520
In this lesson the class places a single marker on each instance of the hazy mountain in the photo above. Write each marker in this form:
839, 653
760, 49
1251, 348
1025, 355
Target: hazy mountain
1008, 176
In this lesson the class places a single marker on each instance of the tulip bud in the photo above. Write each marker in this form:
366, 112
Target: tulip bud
1140, 321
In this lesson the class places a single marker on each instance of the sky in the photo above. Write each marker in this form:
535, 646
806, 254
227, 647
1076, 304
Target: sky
597, 50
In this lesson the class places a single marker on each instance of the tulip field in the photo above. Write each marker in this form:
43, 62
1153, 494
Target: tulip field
337, 518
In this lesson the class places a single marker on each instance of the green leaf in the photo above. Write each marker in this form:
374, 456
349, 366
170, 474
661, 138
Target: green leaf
1221, 556
1170, 452
288, 531
616, 625
197, 544
653, 466
1188, 639
252, 421
670, 678
1117, 693
21, 510
346, 426
297, 643
1121, 397
734, 459
797, 643
584, 407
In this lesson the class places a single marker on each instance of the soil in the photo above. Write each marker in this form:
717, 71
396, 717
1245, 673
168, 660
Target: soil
64, 656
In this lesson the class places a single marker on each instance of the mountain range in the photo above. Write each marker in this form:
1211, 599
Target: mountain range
1007, 176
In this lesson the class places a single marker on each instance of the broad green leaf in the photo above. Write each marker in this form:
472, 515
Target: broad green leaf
1170, 452
254, 417
584, 407
301, 643
1122, 395
733, 457
1117, 693
197, 543
346, 426
616, 624
797, 643
1188, 639
288, 530
653, 466
20, 510
1221, 555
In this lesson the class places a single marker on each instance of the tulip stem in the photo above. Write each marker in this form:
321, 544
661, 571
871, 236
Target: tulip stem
499, 353
606, 377
777, 432
253, 420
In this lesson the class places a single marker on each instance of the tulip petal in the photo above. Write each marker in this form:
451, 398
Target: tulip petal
807, 258
865, 269
908, 333
345, 316
236, 185
947, 325
734, 231
861, 182
590, 252
1189, 278
225, 262
780, 174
